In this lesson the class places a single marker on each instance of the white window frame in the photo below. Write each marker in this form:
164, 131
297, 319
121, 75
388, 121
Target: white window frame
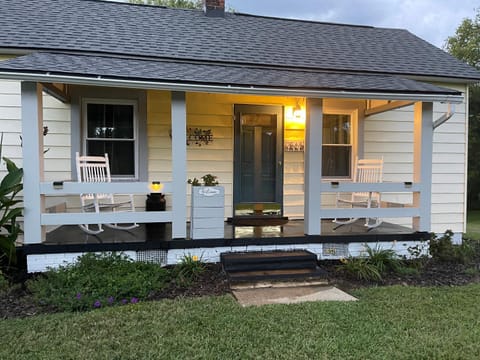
353, 141
84, 138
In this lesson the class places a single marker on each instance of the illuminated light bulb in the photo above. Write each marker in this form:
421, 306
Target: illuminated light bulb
156, 186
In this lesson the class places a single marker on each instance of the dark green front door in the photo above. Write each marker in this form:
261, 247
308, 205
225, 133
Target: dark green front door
258, 173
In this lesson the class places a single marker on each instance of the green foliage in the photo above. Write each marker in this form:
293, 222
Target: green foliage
3, 282
360, 268
383, 259
184, 4
373, 266
442, 249
10, 186
188, 269
98, 280
207, 180
465, 45
398, 322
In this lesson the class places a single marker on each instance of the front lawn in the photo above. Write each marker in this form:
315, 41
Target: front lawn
473, 224
387, 323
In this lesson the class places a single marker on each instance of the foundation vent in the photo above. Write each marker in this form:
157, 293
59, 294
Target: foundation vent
153, 256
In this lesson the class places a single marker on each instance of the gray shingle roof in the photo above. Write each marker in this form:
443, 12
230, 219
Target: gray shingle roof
118, 28
183, 72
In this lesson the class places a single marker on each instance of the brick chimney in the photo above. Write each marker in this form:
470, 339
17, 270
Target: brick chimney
214, 8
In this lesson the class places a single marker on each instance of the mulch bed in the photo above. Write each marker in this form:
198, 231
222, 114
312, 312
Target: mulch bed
18, 303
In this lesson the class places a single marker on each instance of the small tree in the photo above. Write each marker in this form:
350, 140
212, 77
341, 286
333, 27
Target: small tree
184, 4
465, 45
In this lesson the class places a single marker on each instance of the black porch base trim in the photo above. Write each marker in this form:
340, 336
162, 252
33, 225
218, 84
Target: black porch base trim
31, 249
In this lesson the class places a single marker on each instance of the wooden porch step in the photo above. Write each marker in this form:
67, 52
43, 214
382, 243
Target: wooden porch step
291, 275
298, 265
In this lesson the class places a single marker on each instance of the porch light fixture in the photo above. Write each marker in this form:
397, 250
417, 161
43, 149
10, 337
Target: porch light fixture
156, 186
295, 117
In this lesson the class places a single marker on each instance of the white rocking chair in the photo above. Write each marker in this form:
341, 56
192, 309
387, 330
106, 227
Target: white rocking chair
365, 171
96, 169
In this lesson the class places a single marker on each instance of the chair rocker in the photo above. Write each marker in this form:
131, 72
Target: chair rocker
365, 171
96, 169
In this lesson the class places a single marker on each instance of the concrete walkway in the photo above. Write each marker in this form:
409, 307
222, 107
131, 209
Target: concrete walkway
289, 295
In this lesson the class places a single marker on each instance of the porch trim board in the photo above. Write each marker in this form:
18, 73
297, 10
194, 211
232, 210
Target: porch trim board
127, 217
228, 88
76, 188
53, 256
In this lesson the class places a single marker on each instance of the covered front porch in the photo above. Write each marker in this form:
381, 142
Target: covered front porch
335, 125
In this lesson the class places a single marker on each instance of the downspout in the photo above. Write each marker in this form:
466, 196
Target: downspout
450, 112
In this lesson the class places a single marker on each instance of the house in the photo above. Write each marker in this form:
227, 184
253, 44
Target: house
278, 109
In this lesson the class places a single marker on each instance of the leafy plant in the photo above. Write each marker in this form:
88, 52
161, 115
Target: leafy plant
188, 269
98, 280
207, 180
3, 282
10, 186
374, 265
383, 259
443, 249
360, 268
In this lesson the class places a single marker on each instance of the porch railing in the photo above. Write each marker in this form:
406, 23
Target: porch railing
75, 218
384, 187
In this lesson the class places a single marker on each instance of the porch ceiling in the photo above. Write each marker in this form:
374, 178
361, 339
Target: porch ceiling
132, 72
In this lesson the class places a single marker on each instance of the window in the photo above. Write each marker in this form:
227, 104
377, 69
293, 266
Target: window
337, 146
110, 127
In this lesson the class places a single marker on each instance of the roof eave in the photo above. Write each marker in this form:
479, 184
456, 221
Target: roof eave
231, 89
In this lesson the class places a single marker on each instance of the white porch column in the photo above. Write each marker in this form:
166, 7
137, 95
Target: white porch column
179, 165
422, 163
313, 165
32, 139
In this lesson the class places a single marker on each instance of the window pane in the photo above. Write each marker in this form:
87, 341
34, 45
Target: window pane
120, 153
336, 161
336, 129
110, 121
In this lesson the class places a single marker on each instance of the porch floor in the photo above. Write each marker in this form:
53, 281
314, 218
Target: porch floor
294, 229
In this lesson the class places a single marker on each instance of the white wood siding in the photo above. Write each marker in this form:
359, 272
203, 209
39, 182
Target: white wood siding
390, 135
215, 112
56, 116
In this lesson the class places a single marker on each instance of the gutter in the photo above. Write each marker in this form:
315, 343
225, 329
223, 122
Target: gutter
232, 89
442, 119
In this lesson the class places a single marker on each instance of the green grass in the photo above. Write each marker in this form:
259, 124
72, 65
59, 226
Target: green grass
387, 323
473, 224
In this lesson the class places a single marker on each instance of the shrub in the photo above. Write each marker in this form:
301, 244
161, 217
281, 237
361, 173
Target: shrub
3, 282
443, 249
383, 259
97, 280
10, 208
373, 266
360, 268
188, 269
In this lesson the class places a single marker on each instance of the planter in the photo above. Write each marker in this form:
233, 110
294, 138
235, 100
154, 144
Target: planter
207, 212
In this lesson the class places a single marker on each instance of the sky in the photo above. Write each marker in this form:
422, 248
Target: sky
432, 20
